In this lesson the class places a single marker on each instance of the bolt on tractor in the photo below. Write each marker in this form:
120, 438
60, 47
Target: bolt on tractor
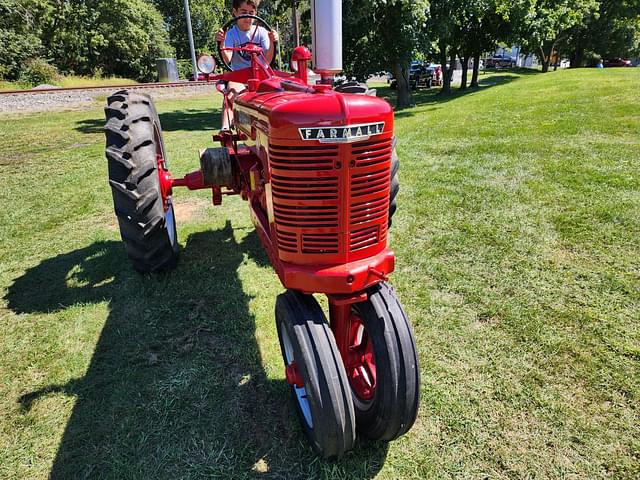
318, 168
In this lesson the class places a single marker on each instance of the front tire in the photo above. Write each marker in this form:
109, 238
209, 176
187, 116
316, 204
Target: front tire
315, 371
137, 163
382, 366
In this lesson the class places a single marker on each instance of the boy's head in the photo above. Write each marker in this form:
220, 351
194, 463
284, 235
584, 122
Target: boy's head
245, 7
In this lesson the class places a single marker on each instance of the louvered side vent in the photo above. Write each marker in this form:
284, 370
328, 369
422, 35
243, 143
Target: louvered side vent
302, 158
319, 243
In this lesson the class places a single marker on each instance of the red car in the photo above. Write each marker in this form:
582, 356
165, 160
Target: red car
617, 62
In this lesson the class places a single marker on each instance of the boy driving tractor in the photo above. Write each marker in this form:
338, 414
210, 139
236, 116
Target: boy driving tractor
242, 33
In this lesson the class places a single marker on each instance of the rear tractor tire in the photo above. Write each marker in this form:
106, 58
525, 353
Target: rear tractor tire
316, 374
137, 162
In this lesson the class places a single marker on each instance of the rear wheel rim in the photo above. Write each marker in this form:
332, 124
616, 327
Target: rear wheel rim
300, 392
361, 362
164, 181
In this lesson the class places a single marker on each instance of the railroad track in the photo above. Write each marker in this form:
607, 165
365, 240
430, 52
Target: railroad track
137, 86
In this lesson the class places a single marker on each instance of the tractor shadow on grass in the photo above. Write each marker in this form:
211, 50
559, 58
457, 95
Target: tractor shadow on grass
176, 386
190, 120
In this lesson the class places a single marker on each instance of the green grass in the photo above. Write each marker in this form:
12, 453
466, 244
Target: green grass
517, 262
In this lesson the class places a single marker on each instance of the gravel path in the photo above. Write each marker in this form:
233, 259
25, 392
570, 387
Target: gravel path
82, 99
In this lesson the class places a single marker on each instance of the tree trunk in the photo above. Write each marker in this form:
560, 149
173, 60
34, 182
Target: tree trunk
404, 93
446, 77
577, 57
476, 69
465, 67
545, 59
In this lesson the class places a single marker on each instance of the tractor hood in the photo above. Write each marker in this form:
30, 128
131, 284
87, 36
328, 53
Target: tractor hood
323, 116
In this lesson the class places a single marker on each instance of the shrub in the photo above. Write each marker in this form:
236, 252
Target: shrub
37, 71
185, 69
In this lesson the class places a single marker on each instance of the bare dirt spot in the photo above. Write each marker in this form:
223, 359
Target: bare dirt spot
189, 209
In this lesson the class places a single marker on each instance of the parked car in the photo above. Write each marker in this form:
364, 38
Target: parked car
500, 61
420, 75
435, 69
616, 62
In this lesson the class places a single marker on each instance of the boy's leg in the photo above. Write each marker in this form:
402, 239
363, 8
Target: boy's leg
233, 89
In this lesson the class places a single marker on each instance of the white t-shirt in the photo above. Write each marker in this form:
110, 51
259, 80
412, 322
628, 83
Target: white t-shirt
237, 38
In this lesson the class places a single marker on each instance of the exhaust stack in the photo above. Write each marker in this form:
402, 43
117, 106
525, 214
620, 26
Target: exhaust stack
326, 27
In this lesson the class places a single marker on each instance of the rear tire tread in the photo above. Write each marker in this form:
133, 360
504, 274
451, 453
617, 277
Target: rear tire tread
131, 125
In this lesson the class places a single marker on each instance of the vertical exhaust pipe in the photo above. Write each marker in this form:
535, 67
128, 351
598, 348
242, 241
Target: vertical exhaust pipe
326, 29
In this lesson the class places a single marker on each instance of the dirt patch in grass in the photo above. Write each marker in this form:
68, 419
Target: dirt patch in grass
189, 209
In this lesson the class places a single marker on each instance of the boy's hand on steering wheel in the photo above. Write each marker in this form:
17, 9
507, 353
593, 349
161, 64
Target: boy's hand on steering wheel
220, 35
274, 37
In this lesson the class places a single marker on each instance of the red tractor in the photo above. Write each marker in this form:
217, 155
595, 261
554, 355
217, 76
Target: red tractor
318, 169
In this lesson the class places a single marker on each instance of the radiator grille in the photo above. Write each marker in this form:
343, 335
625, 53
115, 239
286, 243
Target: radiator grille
363, 238
284, 157
366, 211
306, 188
287, 241
371, 182
366, 154
319, 243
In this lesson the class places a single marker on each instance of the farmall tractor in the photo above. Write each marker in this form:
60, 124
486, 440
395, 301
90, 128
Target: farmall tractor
318, 168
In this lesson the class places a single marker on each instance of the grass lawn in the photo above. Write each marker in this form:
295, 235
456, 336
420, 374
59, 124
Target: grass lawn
518, 261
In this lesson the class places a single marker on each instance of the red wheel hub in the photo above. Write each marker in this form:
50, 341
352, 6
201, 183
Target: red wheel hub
165, 181
293, 375
360, 360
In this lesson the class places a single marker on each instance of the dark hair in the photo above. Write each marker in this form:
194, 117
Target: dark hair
238, 3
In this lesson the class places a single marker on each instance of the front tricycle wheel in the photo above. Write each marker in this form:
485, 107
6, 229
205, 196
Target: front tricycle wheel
315, 373
381, 361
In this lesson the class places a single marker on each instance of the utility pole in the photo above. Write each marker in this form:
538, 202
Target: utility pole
296, 23
194, 64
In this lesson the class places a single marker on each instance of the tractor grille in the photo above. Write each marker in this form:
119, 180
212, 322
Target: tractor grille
312, 213
366, 154
319, 243
298, 159
369, 193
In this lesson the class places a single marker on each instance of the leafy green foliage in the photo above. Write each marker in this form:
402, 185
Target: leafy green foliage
612, 31
545, 23
383, 35
119, 37
19, 34
207, 16
37, 71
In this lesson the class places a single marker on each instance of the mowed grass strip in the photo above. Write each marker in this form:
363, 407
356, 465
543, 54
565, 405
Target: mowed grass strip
518, 264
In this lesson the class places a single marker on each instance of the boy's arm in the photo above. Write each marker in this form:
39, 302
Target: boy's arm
221, 37
273, 39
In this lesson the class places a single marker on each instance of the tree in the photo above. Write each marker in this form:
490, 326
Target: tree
20, 29
545, 24
383, 35
207, 16
612, 31
117, 37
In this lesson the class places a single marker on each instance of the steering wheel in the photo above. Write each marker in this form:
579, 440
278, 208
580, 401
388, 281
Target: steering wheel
228, 25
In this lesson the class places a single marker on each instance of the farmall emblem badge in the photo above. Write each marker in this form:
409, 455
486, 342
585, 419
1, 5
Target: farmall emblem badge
348, 133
